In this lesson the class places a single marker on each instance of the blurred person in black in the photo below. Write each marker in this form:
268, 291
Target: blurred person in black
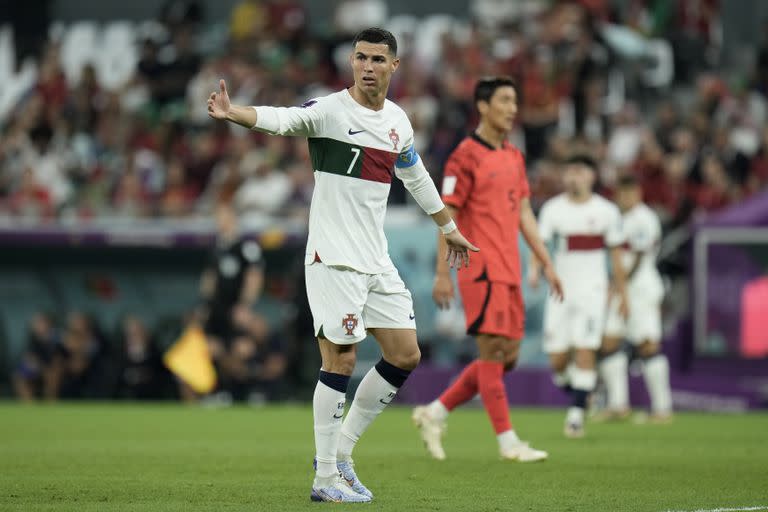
139, 370
34, 369
77, 366
230, 286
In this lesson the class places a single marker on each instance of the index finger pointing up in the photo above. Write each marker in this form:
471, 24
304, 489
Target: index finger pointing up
223, 86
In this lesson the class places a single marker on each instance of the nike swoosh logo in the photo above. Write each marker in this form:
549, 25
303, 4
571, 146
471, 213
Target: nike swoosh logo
385, 403
354, 133
411, 316
339, 416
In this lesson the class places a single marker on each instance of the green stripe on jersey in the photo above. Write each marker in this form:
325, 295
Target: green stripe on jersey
330, 155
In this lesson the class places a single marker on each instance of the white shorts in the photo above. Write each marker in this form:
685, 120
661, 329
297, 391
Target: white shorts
575, 323
643, 324
345, 302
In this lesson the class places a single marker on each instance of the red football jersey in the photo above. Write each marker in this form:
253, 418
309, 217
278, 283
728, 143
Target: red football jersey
486, 185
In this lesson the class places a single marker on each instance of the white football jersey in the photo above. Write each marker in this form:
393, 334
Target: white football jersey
354, 152
642, 231
581, 232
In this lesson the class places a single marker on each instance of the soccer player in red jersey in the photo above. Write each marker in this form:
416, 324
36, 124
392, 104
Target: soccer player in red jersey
486, 188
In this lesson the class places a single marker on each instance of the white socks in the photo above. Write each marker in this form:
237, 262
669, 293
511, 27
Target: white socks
575, 415
656, 374
438, 411
507, 440
581, 379
372, 396
613, 371
328, 409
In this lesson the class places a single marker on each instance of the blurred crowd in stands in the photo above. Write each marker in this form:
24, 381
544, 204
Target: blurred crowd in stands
147, 149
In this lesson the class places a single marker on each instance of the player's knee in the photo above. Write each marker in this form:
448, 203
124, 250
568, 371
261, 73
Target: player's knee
491, 348
609, 346
407, 359
584, 359
648, 349
511, 354
510, 362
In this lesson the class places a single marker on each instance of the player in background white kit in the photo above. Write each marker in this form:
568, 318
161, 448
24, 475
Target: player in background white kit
642, 328
581, 226
358, 141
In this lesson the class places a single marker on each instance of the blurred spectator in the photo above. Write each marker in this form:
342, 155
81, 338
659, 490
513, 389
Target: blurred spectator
717, 189
34, 373
247, 21
265, 189
139, 369
77, 367
30, 200
178, 195
352, 16
540, 107
181, 14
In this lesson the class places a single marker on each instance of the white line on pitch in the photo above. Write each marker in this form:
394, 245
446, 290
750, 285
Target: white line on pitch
738, 509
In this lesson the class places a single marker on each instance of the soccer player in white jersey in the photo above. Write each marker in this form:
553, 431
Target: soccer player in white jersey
357, 140
642, 328
581, 226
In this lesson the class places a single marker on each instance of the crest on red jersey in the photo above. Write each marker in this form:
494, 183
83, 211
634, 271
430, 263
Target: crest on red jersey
394, 137
349, 323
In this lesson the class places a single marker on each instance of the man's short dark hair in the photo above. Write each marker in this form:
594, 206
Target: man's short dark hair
627, 181
487, 86
581, 159
377, 35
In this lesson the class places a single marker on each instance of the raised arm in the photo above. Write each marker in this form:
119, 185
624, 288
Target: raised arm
219, 107
305, 120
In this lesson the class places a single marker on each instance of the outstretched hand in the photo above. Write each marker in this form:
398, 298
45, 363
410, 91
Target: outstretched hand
458, 249
218, 102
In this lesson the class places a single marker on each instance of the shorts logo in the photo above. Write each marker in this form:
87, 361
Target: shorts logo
394, 137
350, 323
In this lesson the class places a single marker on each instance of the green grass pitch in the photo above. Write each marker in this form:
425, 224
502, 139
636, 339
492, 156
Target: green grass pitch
97, 457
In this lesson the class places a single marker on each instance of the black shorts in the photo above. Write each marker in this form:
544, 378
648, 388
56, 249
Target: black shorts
219, 324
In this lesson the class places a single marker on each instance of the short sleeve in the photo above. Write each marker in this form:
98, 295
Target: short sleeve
457, 181
614, 235
643, 236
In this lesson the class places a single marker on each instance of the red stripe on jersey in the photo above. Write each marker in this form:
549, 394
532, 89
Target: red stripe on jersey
378, 165
585, 242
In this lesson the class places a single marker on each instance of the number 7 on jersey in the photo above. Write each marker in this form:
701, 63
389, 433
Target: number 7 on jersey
356, 151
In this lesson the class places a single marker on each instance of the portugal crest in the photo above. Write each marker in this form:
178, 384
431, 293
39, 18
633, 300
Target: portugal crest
394, 137
349, 323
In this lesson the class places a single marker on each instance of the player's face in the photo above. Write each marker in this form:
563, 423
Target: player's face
578, 180
501, 110
627, 197
372, 67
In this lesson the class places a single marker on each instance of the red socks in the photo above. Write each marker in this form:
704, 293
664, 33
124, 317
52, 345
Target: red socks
463, 389
491, 385
487, 378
